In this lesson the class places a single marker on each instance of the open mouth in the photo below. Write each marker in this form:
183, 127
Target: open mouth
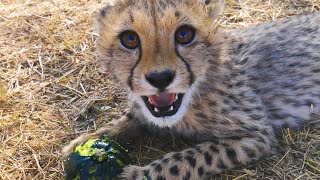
163, 104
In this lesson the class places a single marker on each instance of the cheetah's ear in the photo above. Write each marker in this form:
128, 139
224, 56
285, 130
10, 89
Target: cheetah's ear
213, 7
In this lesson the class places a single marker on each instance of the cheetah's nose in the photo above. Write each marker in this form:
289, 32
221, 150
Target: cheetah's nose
160, 80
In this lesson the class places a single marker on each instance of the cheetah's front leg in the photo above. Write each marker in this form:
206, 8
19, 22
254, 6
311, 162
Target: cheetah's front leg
205, 158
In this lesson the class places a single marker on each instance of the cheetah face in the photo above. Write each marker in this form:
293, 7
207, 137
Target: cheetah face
159, 51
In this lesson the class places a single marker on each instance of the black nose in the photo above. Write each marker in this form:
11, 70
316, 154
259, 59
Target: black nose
160, 79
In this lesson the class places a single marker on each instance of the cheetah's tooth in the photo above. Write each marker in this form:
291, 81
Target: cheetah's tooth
176, 98
171, 108
149, 99
156, 109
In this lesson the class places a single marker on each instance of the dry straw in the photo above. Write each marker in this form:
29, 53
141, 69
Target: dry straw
51, 90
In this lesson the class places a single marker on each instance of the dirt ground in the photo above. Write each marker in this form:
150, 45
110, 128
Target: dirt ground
51, 90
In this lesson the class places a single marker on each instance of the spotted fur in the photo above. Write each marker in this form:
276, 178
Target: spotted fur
240, 87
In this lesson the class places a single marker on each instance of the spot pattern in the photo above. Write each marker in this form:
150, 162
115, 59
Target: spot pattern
174, 170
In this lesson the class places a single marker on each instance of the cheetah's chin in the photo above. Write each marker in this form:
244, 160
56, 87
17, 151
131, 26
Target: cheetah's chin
163, 104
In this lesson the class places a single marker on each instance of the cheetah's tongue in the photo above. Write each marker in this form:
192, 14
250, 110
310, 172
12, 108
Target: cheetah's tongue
162, 99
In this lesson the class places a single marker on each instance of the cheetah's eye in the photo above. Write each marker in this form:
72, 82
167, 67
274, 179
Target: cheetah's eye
185, 34
129, 39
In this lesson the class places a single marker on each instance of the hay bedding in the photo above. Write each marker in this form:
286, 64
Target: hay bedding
51, 90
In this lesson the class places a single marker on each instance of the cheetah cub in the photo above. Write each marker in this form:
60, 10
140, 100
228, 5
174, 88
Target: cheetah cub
229, 91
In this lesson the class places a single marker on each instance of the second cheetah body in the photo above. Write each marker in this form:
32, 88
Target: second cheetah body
240, 87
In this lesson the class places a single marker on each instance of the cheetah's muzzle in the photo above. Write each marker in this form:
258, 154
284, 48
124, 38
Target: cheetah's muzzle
163, 104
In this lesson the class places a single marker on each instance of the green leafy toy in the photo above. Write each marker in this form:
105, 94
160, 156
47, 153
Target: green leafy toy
96, 159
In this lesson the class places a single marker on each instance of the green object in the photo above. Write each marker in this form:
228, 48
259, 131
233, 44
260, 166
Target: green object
96, 159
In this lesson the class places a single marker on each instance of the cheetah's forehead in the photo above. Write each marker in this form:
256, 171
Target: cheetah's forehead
148, 17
